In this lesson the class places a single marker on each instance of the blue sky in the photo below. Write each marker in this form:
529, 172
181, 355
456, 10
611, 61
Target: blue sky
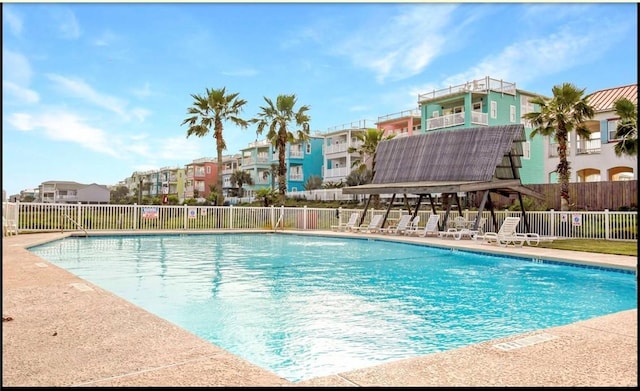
93, 92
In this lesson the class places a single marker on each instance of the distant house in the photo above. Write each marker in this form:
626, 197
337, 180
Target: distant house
338, 161
73, 192
404, 123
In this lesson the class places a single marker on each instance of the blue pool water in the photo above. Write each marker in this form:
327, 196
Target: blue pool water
308, 306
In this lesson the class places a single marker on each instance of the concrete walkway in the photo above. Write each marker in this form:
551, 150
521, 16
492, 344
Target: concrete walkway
65, 331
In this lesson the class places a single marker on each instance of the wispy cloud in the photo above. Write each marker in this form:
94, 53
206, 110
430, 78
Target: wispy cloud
66, 22
142, 92
107, 38
20, 94
16, 79
12, 19
404, 45
79, 89
65, 126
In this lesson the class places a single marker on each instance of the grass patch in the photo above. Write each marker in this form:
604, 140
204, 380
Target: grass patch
594, 246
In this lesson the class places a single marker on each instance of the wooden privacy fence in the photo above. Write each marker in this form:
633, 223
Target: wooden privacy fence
46, 217
584, 196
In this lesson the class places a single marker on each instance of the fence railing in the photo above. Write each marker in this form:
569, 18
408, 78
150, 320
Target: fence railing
45, 217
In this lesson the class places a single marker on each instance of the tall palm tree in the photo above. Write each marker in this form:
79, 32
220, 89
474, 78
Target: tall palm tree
240, 178
366, 166
277, 118
557, 118
627, 129
210, 111
367, 150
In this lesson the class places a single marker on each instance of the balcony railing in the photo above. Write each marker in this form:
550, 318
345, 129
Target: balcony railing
295, 153
339, 172
479, 85
402, 114
588, 147
445, 121
296, 177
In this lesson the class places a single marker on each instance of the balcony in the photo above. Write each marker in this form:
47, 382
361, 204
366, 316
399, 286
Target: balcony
296, 177
295, 153
445, 121
589, 147
402, 114
478, 86
339, 173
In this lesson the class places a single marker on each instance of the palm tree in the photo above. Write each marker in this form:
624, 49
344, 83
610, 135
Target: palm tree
558, 117
277, 118
367, 150
366, 166
627, 129
209, 111
240, 178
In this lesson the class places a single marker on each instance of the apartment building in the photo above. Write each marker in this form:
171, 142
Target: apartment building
594, 159
485, 102
201, 175
337, 160
230, 163
404, 123
73, 192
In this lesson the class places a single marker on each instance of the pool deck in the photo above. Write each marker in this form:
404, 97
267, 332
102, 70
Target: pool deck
66, 331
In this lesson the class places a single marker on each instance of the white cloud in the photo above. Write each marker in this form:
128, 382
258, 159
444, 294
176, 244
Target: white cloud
142, 92
19, 94
67, 24
105, 39
13, 20
82, 90
15, 68
404, 45
64, 126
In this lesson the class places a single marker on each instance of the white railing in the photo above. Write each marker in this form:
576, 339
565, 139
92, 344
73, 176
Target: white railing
43, 217
587, 147
479, 85
445, 121
479, 118
340, 172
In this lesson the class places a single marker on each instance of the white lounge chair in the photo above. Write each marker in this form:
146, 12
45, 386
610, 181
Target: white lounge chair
505, 236
431, 228
349, 225
399, 228
374, 225
9, 227
533, 239
413, 227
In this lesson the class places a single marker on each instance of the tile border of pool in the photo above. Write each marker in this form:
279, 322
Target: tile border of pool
600, 351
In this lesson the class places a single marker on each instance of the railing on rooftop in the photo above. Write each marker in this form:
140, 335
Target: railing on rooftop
402, 114
45, 217
483, 85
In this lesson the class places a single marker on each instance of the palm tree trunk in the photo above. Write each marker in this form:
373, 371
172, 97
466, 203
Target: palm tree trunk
563, 170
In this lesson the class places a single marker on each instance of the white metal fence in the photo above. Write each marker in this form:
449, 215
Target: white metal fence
44, 217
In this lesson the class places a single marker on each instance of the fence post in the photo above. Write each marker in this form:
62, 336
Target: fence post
185, 216
230, 216
607, 230
79, 216
135, 216
273, 217
304, 218
552, 223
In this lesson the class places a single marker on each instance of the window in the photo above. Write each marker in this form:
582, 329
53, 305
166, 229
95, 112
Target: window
612, 124
477, 106
435, 114
208, 169
308, 148
512, 113
494, 109
526, 150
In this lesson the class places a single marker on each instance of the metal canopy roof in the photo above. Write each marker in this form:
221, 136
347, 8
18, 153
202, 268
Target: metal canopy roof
450, 161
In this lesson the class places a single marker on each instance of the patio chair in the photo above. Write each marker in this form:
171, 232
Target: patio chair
399, 228
505, 236
9, 227
413, 227
431, 228
349, 225
374, 225
533, 239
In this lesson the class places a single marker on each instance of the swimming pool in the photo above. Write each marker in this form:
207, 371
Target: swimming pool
308, 306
